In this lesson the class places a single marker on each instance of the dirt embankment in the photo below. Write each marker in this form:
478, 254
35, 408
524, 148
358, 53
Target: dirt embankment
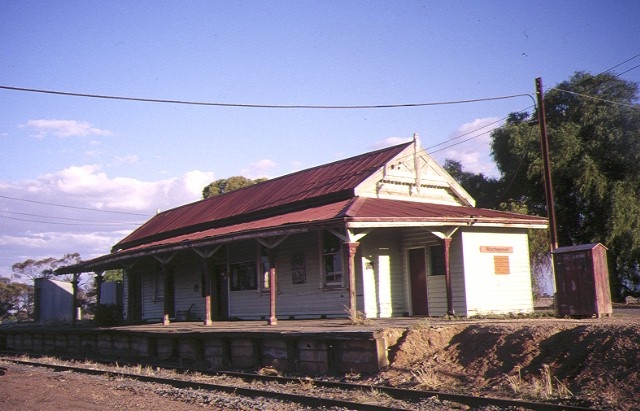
596, 362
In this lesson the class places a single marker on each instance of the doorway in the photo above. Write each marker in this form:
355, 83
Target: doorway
134, 296
418, 281
220, 294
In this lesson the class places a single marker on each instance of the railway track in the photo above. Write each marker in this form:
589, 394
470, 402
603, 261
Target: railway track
319, 394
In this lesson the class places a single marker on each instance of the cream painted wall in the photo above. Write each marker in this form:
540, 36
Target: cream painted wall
488, 292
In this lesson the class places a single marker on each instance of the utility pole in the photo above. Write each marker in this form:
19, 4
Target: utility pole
548, 185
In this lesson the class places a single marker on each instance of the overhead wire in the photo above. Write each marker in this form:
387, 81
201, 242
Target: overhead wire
610, 69
60, 223
619, 64
626, 71
97, 210
471, 132
270, 106
71, 219
596, 98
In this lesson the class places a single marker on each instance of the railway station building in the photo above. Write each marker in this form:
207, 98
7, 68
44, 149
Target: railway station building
387, 233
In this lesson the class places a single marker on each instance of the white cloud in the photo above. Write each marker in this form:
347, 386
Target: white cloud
63, 128
44, 229
259, 169
475, 153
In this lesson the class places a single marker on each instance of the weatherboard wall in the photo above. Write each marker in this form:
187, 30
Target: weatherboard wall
380, 281
497, 268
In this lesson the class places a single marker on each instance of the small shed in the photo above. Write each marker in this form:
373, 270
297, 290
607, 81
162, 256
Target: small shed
582, 281
53, 300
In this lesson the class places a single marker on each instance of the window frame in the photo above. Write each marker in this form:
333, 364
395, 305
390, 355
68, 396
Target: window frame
247, 284
298, 268
336, 253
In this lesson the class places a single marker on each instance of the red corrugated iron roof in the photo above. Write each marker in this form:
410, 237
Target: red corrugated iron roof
373, 209
314, 186
357, 209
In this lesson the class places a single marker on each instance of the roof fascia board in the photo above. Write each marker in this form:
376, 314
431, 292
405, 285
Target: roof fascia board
443, 223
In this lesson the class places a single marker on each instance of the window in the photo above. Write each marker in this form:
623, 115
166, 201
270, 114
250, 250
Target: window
437, 260
298, 270
332, 258
243, 276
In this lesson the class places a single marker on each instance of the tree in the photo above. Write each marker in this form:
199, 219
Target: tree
485, 190
14, 298
31, 269
593, 124
225, 185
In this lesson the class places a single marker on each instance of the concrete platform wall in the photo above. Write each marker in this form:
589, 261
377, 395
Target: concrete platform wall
311, 354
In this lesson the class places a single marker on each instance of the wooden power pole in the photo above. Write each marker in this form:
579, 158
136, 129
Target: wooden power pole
548, 185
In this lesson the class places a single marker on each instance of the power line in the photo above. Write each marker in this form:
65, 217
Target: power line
461, 142
276, 106
71, 219
626, 71
473, 131
596, 98
619, 64
57, 223
73, 207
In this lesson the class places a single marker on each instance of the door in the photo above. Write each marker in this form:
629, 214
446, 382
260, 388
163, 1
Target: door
418, 281
134, 297
220, 294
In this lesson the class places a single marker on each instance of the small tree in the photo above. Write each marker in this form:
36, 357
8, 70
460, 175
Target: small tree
225, 185
14, 298
44, 268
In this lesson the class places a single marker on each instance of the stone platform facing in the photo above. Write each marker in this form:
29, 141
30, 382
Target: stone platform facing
307, 347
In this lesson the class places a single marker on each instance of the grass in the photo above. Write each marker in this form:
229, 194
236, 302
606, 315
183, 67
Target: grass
540, 387
426, 378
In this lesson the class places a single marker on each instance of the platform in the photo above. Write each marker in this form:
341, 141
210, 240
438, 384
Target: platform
312, 347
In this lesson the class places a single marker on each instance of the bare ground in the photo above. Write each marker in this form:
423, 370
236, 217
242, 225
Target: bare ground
596, 362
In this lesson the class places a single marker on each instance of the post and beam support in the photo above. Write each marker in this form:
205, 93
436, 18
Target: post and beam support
352, 249
271, 245
206, 256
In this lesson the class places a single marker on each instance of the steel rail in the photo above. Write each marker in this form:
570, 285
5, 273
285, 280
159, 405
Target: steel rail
312, 401
405, 394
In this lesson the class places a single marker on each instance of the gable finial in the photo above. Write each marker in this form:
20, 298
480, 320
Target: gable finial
416, 140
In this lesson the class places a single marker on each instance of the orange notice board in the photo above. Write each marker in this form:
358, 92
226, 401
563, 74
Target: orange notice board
501, 264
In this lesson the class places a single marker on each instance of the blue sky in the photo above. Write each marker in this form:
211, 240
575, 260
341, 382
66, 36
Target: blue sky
127, 159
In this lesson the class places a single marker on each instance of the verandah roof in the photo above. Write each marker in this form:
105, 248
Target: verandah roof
354, 212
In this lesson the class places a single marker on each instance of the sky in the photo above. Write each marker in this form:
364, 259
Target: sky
77, 174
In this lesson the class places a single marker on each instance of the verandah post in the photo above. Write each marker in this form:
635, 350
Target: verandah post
353, 248
447, 276
272, 288
207, 291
